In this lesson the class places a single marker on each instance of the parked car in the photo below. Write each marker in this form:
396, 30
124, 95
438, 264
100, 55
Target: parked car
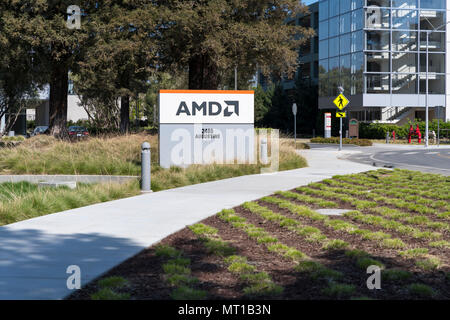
39, 130
78, 132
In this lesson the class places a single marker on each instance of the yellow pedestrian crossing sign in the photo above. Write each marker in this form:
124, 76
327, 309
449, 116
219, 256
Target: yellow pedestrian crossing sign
341, 114
341, 101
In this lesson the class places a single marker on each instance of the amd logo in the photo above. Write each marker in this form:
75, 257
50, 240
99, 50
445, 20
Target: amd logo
209, 108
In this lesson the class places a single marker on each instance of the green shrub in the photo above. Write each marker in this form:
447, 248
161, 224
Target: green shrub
186, 293
178, 280
378, 130
241, 267
201, 229
335, 244
414, 253
440, 244
255, 277
112, 282
356, 253
233, 259
421, 290
335, 140
339, 290
393, 243
166, 251
264, 288
317, 270
395, 275
109, 294
172, 268
219, 248
364, 263
429, 264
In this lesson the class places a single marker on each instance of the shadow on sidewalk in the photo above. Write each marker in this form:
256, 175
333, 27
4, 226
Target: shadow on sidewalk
33, 264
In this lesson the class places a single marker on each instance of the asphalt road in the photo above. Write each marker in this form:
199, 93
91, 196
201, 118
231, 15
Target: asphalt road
432, 160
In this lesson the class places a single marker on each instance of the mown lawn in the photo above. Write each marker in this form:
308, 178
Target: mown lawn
120, 155
280, 247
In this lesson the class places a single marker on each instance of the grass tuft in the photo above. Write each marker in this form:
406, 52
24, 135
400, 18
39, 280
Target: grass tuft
365, 262
112, 282
187, 293
421, 290
338, 290
109, 294
166, 251
201, 229
395, 275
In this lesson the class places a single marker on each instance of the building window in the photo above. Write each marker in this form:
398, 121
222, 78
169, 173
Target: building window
323, 49
404, 83
404, 62
378, 40
404, 40
405, 4
436, 42
431, 19
404, 19
432, 4
436, 62
323, 30
345, 44
333, 27
323, 10
377, 83
377, 18
333, 47
379, 3
333, 8
378, 62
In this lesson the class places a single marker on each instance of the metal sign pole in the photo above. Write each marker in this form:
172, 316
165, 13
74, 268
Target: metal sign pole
439, 118
426, 97
295, 132
341, 90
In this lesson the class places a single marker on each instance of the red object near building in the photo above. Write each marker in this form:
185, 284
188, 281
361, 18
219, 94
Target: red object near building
393, 135
416, 133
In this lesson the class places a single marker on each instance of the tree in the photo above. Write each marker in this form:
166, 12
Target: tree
161, 80
280, 114
41, 25
306, 96
212, 37
263, 104
121, 54
17, 89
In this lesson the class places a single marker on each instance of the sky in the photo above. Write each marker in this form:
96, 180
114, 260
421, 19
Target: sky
308, 2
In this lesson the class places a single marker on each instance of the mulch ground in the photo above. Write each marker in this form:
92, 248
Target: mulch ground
146, 279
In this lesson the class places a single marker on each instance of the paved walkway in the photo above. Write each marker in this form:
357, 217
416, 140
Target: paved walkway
34, 254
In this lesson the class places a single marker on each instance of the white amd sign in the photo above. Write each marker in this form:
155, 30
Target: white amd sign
205, 126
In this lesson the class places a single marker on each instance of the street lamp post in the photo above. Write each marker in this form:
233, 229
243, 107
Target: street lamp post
426, 94
341, 91
428, 32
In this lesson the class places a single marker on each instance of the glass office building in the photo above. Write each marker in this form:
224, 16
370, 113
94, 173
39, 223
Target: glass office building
376, 50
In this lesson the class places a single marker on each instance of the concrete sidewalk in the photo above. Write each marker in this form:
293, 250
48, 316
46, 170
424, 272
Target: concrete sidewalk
35, 254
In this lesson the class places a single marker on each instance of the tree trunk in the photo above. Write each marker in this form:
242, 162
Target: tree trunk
59, 83
125, 114
203, 73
